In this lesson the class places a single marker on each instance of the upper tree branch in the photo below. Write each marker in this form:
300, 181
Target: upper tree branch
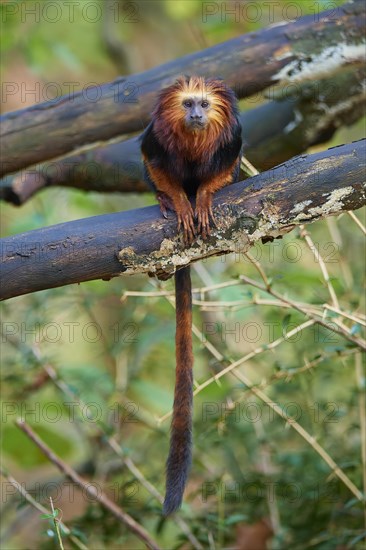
272, 133
310, 47
304, 189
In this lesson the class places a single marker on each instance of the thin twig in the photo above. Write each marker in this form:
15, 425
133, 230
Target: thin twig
297, 427
304, 434
115, 446
357, 341
276, 408
318, 258
361, 382
288, 374
266, 468
56, 523
28, 497
89, 489
236, 305
153, 491
349, 316
357, 221
239, 304
337, 239
244, 359
248, 167
204, 289
259, 268
250, 355
150, 294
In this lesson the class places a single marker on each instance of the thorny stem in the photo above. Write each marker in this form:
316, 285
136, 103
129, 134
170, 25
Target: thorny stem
56, 524
28, 497
99, 496
338, 330
114, 445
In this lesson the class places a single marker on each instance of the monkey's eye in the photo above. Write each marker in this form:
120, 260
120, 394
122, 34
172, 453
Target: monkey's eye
187, 103
204, 104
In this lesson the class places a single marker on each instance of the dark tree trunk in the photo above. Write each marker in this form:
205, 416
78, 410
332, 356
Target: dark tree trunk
304, 189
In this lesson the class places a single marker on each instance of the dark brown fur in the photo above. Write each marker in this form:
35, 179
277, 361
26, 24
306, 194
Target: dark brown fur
189, 152
179, 459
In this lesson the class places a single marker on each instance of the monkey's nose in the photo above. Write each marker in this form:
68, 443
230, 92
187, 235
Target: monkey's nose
196, 117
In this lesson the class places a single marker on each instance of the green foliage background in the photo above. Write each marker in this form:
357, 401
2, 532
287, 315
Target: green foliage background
118, 358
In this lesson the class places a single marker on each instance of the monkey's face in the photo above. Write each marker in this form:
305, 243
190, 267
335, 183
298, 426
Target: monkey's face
195, 110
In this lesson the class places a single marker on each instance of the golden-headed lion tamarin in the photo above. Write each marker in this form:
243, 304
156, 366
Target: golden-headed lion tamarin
191, 149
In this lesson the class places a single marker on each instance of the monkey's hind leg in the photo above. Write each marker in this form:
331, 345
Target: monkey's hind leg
165, 203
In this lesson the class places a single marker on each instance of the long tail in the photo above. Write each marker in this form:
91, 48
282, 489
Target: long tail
180, 452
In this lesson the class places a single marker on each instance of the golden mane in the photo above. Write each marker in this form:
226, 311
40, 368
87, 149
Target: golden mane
169, 115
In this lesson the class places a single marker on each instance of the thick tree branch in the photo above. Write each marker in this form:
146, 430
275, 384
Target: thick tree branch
304, 189
272, 133
311, 47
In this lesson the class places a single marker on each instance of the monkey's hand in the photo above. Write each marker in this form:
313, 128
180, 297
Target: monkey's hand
204, 212
182, 207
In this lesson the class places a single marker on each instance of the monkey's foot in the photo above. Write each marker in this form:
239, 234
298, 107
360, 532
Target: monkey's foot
203, 214
186, 219
165, 203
